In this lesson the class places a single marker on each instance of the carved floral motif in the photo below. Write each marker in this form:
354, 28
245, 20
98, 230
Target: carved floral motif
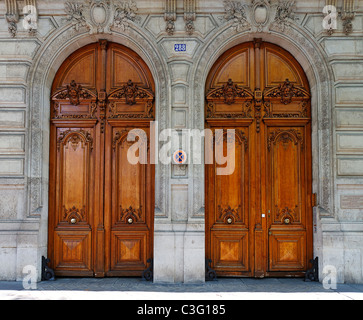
284, 14
99, 16
236, 11
130, 92
74, 215
229, 92
229, 215
286, 136
75, 138
286, 215
130, 215
74, 92
286, 91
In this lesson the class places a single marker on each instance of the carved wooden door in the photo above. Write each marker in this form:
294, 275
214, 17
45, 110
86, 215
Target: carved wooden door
101, 204
259, 217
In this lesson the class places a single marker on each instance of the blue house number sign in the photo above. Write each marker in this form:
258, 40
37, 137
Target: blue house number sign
180, 47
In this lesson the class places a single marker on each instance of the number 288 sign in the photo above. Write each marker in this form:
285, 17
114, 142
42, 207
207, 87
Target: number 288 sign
180, 47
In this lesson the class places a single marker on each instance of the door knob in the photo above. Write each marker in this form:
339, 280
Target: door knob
130, 221
73, 221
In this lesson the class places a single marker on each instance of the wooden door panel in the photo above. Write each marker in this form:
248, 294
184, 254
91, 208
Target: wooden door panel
287, 251
128, 183
279, 67
80, 66
286, 174
73, 252
231, 190
124, 65
230, 221
75, 170
129, 251
127, 199
230, 251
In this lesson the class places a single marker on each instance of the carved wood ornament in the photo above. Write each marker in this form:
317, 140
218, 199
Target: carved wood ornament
130, 215
75, 137
229, 215
230, 94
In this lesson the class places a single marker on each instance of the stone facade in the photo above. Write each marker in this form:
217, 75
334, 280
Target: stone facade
32, 52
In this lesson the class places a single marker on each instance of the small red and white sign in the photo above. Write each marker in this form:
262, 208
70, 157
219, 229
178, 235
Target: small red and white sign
180, 157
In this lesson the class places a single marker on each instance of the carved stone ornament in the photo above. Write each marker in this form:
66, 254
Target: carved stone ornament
98, 16
284, 14
260, 15
30, 16
170, 16
237, 12
12, 16
347, 16
189, 16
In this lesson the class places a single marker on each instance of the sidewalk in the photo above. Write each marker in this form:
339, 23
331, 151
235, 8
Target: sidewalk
136, 289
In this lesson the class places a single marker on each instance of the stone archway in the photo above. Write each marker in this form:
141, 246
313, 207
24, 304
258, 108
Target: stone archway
46, 63
311, 57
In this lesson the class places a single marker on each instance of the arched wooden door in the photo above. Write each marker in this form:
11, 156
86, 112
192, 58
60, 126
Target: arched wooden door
100, 204
259, 218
